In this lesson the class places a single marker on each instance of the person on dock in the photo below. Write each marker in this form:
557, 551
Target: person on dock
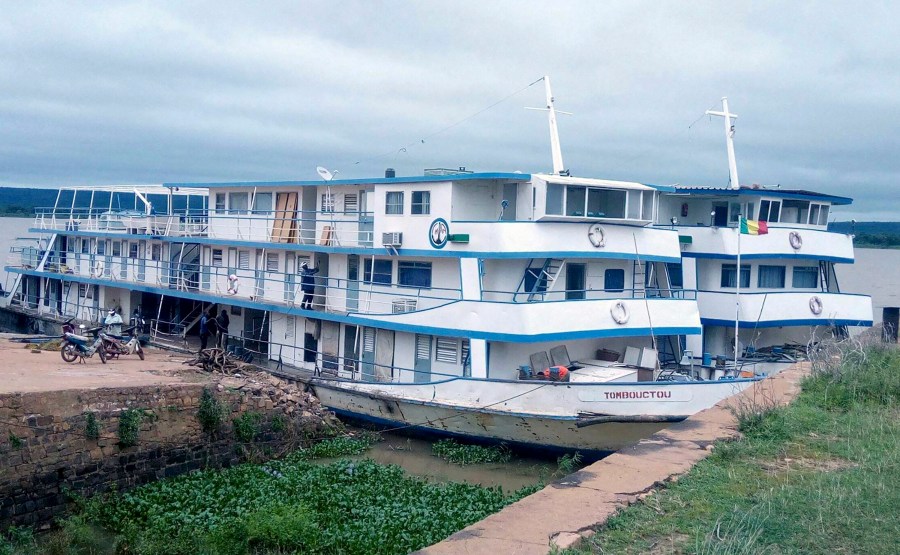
307, 285
204, 330
113, 322
222, 325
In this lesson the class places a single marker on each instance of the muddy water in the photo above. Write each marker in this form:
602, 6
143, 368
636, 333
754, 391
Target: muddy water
415, 457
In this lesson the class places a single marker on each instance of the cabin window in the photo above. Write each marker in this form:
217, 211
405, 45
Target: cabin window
155, 252
447, 350
117, 248
262, 203
575, 199
805, 277
614, 280
414, 274
85, 246
554, 199
351, 203
244, 260
238, 203
82, 290
676, 275
217, 258
327, 203
220, 202
101, 247
133, 250
383, 271
769, 210
393, 203
770, 276
421, 202
729, 277
466, 360
271, 261
734, 212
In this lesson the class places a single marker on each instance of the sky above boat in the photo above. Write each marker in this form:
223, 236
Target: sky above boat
130, 92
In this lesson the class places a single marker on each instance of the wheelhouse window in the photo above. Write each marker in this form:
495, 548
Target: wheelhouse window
818, 214
393, 203
238, 203
414, 274
769, 210
421, 202
729, 275
805, 277
795, 211
770, 276
597, 202
381, 274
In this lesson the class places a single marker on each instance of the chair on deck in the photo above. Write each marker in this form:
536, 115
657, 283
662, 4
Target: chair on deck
559, 355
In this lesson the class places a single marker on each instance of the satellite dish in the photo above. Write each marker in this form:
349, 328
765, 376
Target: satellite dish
324, 173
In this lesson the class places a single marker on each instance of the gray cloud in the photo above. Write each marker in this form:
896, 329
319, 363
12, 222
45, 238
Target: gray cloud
151, 92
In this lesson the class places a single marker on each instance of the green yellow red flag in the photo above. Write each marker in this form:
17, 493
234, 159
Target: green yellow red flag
754, 227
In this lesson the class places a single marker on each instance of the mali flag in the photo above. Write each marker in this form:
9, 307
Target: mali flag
754, 227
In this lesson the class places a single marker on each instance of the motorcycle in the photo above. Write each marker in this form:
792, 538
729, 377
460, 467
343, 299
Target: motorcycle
75, 346
115, 345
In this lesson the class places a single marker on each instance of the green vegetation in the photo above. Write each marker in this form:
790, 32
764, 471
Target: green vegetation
877, 240
246, 426
91, 426
130, 426
211, 412
284, 506
818, 476
463, 454
15, 441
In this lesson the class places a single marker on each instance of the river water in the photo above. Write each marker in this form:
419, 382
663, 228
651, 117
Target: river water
872, 274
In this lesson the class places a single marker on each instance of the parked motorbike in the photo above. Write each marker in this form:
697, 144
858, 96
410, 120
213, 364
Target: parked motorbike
125, 344
75, 346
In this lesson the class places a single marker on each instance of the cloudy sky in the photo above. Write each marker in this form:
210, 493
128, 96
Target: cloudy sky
132, 92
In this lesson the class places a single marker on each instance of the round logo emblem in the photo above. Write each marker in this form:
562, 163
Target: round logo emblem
438, 233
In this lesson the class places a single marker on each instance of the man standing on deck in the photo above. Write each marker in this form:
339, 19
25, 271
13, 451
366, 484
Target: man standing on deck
307, 285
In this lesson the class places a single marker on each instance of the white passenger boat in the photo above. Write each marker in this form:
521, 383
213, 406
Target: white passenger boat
437, 299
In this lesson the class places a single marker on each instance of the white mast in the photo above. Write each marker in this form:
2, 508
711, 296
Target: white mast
729, 138
555, 150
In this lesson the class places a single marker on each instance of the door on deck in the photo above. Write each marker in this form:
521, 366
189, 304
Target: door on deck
368, 354
351, 350
366, 221
510, 194
575, 282
290, 269
352, 283
142, 261
422, 366
720, 216
384, 355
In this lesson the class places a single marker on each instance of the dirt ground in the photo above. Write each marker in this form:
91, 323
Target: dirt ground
22, 371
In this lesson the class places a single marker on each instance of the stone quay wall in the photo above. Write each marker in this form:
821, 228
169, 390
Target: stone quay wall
58, 443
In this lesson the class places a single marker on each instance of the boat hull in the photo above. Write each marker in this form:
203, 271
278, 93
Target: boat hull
537, 416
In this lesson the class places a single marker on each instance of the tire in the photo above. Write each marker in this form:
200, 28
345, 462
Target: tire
68, 352
102, 352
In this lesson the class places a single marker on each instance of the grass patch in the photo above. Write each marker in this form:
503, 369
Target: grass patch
818, 476
458, 453
292, 505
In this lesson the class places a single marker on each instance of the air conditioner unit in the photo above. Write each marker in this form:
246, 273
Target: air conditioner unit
399, 306
392, 239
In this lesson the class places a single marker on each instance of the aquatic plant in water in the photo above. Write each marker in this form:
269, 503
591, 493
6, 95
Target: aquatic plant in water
463, 454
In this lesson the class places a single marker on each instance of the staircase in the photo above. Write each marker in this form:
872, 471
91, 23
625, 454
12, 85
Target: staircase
638, 279
184, 273
537, 282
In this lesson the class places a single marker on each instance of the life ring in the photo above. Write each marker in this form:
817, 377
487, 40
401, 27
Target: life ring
97, 270
815, 305
796, 240
619, 313
596, 236
233, 284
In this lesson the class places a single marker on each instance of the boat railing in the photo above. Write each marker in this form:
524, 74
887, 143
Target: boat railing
299, 227
279, 288
518, 297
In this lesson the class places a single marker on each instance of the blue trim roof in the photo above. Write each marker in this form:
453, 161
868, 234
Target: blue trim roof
364, 181
775, 193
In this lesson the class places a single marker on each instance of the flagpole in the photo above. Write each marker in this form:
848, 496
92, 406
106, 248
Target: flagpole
737, 296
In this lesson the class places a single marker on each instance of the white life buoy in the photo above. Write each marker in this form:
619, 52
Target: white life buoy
233, 284
815, 305
97, 270
596, 236
619, 313
796, 240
